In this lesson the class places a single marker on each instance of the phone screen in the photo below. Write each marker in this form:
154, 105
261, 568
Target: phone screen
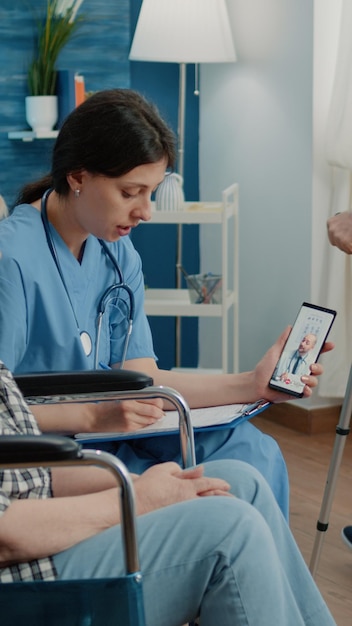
302, 348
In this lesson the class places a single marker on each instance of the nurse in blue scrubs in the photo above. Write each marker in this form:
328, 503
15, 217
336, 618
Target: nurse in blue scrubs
71, 286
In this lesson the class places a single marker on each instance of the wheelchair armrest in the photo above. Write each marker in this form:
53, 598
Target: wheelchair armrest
102, 385
21, 451
83, 382
25, 449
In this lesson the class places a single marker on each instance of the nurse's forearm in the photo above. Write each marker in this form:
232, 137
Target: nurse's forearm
209, 389
66, 419
201, 390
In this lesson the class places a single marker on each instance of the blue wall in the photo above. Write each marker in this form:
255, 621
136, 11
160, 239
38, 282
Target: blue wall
160, 82
100, 52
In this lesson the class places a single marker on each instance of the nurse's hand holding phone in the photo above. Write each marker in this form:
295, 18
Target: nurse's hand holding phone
302, 349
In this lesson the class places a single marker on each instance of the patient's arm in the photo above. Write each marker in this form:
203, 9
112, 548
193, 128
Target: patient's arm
111, 416
55, 524
77, 481
340, 231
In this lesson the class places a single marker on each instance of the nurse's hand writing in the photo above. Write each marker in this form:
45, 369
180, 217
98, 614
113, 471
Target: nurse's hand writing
126, 415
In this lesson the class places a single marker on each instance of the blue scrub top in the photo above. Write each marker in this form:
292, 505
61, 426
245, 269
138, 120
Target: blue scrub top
38, 332
41, 322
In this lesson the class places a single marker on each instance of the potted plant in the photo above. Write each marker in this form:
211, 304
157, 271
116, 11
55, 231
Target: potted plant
54, 29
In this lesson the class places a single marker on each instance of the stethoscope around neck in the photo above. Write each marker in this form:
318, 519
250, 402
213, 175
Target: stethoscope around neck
108, 296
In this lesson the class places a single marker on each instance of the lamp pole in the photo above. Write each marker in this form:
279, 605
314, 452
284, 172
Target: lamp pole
186, 31
180, 169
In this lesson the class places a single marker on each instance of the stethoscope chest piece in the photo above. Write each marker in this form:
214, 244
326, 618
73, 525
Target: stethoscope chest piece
86, 342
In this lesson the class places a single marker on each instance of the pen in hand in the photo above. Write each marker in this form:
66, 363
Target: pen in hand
256, 406
103, 366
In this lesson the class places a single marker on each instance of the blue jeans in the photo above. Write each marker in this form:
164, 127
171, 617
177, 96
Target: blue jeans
233, 561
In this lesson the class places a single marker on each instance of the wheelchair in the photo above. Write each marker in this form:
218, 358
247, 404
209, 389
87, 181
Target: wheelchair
98, 602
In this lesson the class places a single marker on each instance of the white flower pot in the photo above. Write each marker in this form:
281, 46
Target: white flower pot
41, 113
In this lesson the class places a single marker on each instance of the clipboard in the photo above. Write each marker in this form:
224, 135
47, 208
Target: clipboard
205, 419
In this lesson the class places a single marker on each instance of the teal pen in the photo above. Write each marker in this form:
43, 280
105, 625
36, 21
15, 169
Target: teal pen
104, 366
256, 406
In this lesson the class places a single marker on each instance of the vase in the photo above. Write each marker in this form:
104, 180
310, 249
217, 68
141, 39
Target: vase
41, 113
169, 195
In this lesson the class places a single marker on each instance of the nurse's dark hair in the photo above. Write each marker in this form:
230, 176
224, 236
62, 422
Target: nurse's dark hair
110, 134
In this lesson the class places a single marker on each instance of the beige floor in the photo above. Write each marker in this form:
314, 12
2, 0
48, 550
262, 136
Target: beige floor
308, 458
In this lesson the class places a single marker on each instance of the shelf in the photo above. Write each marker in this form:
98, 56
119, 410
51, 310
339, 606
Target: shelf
193, 213
30, 135
174, 302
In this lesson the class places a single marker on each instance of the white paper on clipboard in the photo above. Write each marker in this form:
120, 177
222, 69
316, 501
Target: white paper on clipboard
211, 417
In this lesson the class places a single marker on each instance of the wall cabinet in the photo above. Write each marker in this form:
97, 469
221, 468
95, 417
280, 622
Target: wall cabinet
176, 302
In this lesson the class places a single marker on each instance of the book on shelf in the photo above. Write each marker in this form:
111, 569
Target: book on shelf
70, 89
79, 89
65, 89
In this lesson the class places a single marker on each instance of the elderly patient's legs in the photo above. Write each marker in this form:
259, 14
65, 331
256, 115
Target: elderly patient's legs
217, 556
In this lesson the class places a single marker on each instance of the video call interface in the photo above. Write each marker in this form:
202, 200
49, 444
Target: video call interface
302, 348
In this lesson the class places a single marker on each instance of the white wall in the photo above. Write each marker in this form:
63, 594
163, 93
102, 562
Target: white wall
326, 30
326, 26
257, 129
262, 138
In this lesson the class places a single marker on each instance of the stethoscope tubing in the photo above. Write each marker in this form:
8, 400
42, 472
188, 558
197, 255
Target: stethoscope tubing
105, 298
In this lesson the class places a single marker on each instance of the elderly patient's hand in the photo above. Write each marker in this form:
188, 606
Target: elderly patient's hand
126, 415
340, 231
165, 484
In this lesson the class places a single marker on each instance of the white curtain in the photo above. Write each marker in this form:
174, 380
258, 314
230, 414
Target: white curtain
339, 157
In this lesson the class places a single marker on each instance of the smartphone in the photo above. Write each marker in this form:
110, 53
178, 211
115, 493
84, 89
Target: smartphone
302, 348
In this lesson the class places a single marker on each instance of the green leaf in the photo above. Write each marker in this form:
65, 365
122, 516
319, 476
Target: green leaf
53, 31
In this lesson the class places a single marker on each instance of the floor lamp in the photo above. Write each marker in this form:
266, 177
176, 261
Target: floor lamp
182, 31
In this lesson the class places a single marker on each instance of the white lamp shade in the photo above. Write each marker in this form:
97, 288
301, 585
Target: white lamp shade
183, 31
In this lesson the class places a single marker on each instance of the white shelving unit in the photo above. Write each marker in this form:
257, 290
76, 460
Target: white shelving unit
30, 135
176, 302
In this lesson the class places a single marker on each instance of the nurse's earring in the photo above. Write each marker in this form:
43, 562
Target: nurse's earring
77, 193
